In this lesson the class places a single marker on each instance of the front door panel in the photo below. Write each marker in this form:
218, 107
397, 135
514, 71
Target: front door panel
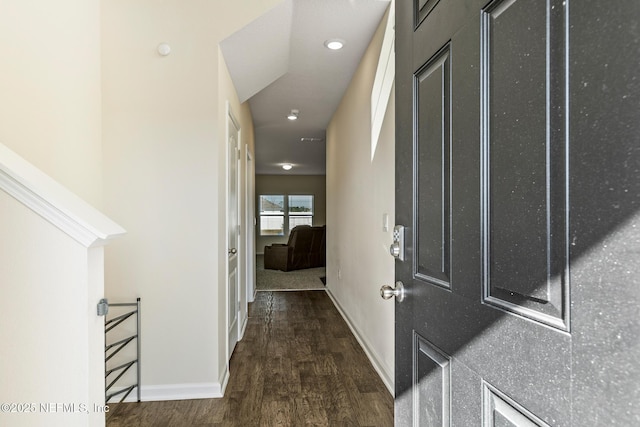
518, 181
486, 200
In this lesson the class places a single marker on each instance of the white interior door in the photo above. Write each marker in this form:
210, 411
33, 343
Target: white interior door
233, 304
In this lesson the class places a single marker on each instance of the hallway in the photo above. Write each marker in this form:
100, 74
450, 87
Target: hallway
298, 364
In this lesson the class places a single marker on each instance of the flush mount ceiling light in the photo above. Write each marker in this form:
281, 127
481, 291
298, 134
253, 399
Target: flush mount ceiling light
293, 115
334, 44
287, 166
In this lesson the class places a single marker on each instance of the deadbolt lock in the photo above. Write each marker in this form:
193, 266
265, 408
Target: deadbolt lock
397, 247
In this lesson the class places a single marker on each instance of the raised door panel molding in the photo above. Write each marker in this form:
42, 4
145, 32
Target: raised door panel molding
499, 410
432, 190
423, 8
431, 385
525, 171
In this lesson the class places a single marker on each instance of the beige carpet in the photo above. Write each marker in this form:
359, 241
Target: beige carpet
276, 280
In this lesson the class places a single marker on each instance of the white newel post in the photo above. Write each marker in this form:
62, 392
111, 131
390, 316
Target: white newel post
51, 280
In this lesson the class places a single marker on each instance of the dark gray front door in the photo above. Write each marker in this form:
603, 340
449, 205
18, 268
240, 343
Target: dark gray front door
518, 181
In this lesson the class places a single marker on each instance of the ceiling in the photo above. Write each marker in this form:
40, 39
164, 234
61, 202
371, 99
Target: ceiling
279, 62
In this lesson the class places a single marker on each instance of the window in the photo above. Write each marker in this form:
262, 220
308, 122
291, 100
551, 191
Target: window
300, 211
276, 217
272, 215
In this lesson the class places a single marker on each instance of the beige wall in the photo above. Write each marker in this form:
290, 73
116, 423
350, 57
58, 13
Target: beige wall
50, 110
291, 185
164, 134
360, 189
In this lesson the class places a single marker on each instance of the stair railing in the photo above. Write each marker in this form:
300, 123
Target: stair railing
113, 348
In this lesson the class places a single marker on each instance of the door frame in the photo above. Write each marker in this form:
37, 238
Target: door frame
249, 225
231, 120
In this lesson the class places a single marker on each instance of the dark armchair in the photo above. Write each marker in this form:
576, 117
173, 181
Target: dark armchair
306, 248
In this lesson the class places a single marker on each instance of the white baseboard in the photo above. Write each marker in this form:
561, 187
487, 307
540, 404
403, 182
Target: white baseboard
156, 393
182, 391
132, 397
243, 329
387, 379
224, 381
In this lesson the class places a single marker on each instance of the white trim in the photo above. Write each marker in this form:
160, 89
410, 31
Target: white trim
189, 391
224, 381
231, 120
55, 203
243, 325
250, 229
373, 357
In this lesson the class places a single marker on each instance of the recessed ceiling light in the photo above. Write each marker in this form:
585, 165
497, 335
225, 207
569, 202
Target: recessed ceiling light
334, 44
287, 166
293, 115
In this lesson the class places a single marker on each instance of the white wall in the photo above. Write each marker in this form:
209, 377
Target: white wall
164, 143
360, 189
44, 310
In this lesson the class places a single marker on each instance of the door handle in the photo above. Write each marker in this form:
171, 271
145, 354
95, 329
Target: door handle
233, 251
387, 292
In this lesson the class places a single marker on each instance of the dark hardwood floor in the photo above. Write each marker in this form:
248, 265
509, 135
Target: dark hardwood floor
298, 364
